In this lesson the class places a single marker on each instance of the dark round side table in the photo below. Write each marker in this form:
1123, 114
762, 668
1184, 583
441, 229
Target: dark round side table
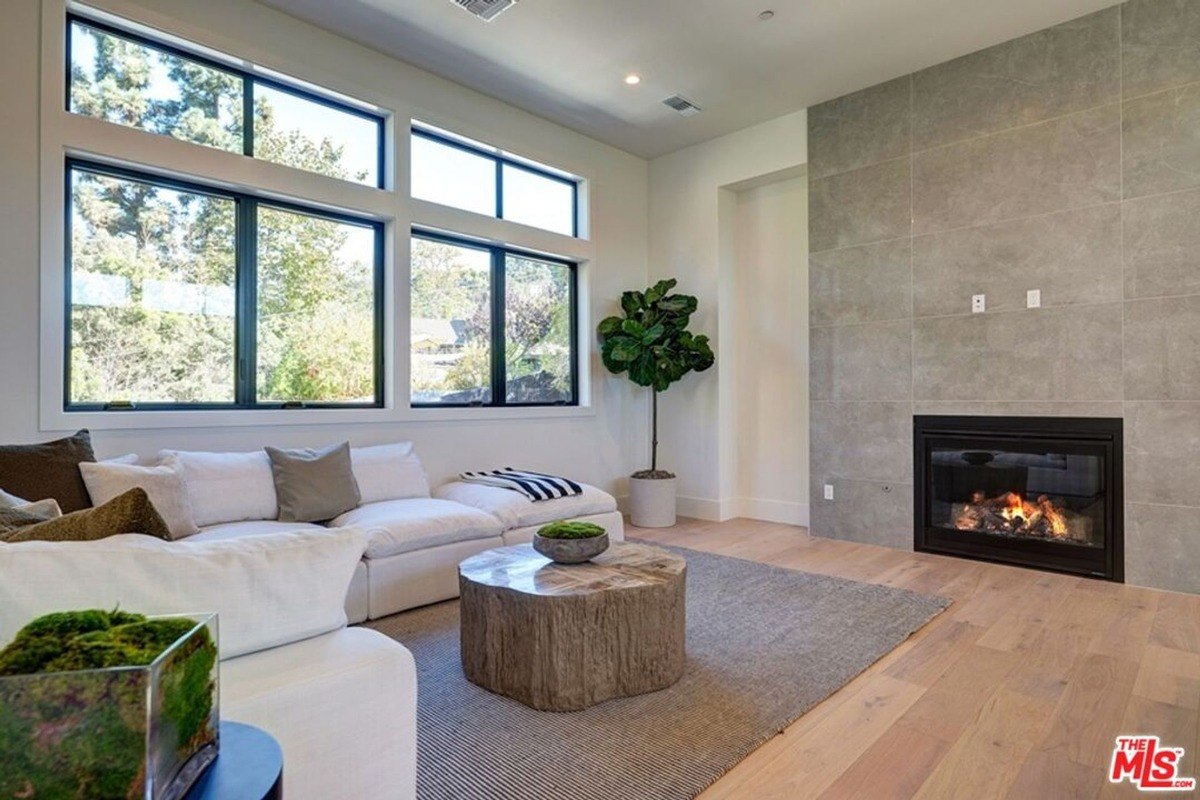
249, 767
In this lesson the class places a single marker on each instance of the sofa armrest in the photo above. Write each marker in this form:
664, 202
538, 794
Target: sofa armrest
343, 707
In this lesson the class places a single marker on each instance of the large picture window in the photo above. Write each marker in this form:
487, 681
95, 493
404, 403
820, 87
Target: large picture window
124, 78
185, 296
456, 172
491, 326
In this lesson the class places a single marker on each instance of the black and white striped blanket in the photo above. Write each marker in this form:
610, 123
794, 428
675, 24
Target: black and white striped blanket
533, 485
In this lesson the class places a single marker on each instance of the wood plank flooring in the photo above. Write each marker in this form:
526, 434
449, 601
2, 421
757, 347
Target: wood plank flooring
1016, 691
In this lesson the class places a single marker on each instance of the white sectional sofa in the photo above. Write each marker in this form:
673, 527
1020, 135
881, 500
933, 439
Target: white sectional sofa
341, 701
416, 538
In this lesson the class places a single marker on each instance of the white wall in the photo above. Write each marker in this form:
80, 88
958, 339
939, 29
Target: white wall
771, 366
693, 236
600, 444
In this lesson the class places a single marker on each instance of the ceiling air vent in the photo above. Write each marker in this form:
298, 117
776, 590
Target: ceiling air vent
681, 104
486, 10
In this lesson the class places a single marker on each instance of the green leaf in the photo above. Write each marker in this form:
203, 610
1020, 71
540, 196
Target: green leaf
633, 328
632, 303
609, 326
651, 334
624, 349
643, 370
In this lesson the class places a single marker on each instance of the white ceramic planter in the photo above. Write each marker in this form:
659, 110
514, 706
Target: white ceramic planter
652, 502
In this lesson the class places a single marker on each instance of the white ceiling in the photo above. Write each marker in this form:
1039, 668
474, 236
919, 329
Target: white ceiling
565, 59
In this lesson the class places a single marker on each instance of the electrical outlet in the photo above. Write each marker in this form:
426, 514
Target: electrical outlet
829, 491
978, 303
1033, 298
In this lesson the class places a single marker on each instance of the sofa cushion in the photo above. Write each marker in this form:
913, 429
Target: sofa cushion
401, 526
164, 484
343, 707
268, 590
254, 527
227, 487
515, 510
48, 470
388, 472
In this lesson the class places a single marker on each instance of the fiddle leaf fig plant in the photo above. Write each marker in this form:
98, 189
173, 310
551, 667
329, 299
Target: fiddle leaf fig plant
651, 343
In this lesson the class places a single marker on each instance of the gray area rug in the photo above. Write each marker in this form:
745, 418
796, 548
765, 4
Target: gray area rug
765, 645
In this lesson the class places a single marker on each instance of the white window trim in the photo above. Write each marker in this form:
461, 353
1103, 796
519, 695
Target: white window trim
64, 134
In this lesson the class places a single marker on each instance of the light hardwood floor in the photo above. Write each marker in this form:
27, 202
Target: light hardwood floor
1016, 691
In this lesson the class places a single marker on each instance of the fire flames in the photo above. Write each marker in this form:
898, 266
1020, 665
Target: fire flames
1010, 513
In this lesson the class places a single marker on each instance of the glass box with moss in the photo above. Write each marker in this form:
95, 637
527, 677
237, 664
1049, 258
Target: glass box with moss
108, 704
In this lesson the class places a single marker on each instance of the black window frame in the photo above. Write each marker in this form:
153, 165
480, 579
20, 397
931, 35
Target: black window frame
499, 374
500, 161
248, 78
245, 377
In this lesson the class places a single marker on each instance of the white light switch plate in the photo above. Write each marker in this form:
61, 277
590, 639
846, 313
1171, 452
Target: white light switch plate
1033, 298
829, 491
978, 303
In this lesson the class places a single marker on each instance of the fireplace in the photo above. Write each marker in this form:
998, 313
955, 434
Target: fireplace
1042, 492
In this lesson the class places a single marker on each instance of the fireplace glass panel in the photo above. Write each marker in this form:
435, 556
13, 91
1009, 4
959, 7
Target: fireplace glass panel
1027, 493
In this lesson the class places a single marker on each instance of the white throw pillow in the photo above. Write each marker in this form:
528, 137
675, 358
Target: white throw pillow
388, 472
269, 590
163, 484
40, 508
128, 458
227, 487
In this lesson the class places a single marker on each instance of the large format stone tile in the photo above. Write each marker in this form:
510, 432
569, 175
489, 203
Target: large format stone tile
1068, 354
871, 512
1162, 441
967, 408
1161, 142
1162, 349
872, 361
1073, 257
1162, 245
863, 440
861, 284
865, 205
1070, 67
1162, 547
1160, 44
1069, 162
859, 129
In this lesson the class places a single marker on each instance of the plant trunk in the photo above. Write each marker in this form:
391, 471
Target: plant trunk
654, 433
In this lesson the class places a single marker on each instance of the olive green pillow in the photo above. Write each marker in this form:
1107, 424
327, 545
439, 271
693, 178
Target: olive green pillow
131, 512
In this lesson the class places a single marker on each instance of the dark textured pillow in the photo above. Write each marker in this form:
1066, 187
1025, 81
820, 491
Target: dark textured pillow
13, 518
314, 485
131, 512
48, 470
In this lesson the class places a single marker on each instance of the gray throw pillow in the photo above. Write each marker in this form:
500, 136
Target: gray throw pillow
314, 485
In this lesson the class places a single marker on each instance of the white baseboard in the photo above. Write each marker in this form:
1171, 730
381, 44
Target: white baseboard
783, 511
709, 510
704, 508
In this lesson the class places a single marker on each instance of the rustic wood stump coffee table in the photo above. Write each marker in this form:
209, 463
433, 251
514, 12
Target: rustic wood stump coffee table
562, 637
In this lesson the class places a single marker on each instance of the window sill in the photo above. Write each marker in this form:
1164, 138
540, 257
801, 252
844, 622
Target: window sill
56, 420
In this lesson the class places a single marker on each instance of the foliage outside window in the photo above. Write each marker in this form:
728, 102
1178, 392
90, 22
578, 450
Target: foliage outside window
490, 326
186, 296
122, 78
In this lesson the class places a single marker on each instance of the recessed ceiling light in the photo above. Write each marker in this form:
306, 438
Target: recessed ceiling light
766, 15
633, 79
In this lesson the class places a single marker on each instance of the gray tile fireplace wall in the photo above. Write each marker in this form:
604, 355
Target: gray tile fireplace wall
1066, 161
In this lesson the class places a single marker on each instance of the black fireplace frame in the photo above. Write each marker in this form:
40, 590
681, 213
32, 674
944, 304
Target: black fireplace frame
1104, 433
